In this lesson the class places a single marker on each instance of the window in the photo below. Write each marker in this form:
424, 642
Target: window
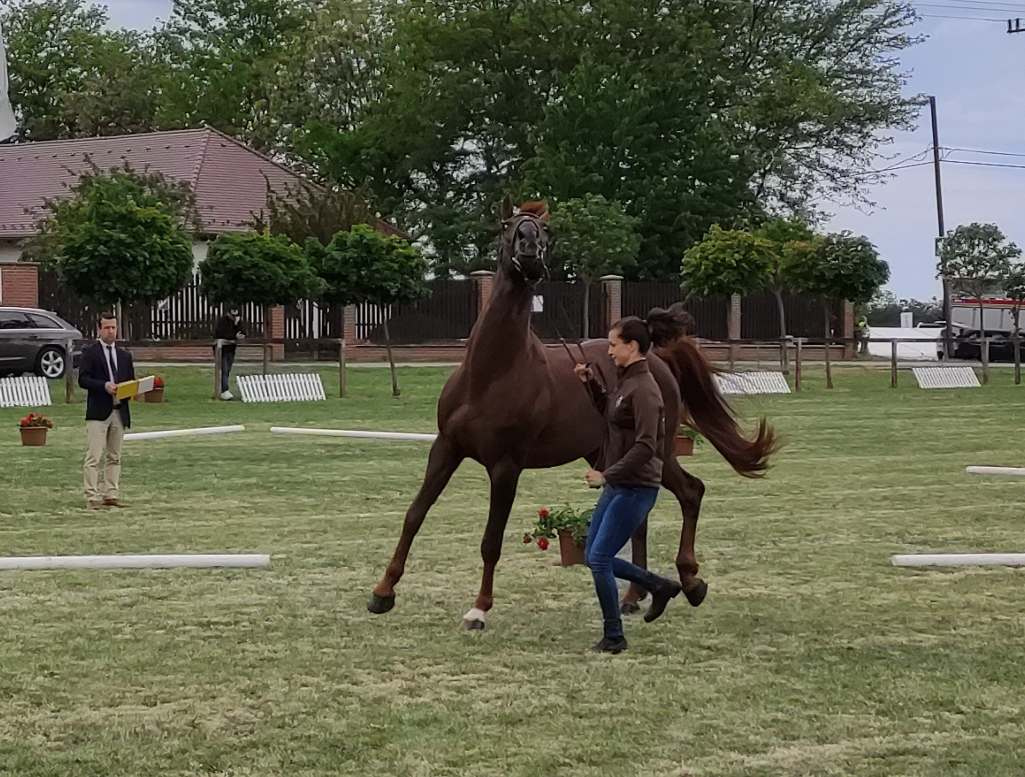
10, 319
43, 322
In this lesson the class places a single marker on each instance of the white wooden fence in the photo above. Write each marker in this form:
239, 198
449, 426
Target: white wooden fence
299, 387
30, 391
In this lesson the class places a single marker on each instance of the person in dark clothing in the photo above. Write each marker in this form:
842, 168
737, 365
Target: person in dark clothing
229, 331
102, 367
629, 470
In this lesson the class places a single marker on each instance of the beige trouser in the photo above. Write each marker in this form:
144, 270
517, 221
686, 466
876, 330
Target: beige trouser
105, 438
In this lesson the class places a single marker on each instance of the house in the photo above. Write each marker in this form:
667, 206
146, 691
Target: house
229, 182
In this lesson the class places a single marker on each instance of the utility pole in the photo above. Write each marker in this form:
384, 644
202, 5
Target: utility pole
947, 330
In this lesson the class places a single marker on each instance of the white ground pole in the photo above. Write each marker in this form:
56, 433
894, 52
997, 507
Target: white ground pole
183, 432
960, 560
1017, 472
351, 433
130, 561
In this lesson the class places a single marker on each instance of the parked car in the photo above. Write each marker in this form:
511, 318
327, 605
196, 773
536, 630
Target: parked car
968, 345
33, 340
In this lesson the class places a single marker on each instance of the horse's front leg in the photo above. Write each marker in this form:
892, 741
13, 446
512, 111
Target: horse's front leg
639, 551
504, 479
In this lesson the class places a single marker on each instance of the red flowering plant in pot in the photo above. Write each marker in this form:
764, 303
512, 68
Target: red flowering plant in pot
156, 394
569, 524
33, 429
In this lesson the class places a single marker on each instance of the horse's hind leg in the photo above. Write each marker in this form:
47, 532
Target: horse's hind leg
504, 479
688, 491
442, 462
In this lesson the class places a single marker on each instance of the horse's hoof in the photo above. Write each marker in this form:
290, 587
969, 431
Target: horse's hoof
472, 625
379, 605
696, 595
629, 608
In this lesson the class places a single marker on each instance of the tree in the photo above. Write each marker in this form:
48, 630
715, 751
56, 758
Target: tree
787, 236
364, 266
122, 237
71, 77
257, 268
1014, 289
592, 237
976, 258
837, 267
308, 210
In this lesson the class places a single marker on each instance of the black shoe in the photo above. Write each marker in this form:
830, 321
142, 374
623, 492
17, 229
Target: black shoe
610, 645
660, 598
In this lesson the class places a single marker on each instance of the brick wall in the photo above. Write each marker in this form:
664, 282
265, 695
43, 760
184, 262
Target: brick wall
19, 285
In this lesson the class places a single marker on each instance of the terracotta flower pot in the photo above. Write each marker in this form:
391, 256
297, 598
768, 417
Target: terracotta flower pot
33, 436
155, 395
683, 446
570, 551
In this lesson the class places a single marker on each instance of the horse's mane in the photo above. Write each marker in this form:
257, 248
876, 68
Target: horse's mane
535, 208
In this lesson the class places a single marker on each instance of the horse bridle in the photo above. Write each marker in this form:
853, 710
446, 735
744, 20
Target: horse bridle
509, 245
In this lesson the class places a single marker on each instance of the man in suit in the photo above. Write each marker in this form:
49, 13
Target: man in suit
102, 367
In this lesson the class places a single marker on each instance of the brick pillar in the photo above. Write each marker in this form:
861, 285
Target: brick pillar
276, 329
733, 331
612, 288
484, 279
19, 285
349, 323
848, 329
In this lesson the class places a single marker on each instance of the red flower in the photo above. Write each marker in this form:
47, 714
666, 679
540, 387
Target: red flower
543, 512
543, 543
158, 382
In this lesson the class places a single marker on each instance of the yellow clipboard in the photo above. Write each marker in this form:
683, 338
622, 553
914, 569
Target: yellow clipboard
130, 388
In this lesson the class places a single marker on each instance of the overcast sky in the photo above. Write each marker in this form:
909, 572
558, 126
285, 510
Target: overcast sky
973, 67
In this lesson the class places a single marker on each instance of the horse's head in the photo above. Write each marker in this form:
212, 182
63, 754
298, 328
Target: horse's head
524, 241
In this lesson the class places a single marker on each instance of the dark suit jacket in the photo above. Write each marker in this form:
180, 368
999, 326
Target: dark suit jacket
93, 376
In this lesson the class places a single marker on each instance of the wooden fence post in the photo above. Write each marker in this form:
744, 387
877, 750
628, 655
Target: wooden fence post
893, 364
341, 368
217, 368
797, 365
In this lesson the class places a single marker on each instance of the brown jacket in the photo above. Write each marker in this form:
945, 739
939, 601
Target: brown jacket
631, 452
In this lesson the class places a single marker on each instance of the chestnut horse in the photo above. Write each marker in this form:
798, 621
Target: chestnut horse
515, 404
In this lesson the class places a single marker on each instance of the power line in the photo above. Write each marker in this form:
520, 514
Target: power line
979, 151
983, 164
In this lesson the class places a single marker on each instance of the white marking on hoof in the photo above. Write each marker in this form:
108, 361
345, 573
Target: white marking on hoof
474, 619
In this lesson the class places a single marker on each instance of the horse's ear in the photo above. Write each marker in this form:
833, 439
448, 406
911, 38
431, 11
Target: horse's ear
544, 213
507, 208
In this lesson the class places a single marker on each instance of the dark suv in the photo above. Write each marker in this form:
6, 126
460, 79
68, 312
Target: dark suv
36, 341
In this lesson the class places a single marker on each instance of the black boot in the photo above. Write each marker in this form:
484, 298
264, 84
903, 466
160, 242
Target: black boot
660, 597
610, 645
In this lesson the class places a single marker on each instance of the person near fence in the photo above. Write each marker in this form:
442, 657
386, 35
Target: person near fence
103, 365
229, 331
629, 472
862, 333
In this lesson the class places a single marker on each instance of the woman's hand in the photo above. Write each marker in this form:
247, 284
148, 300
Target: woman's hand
594, 478
583, 371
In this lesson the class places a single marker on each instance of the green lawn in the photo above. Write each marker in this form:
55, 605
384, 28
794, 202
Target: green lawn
811, 656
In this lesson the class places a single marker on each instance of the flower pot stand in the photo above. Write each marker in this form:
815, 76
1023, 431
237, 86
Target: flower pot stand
33, 436
683, 446
571, 553
154, 396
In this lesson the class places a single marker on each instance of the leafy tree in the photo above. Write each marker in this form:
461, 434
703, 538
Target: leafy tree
71, 77
1014, 289
884, 309
364, 266
257, 268
592, 237
307, 210
787, 237
977, 258
837, 267
121, 237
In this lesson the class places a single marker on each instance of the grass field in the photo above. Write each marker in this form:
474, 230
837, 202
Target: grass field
811, 656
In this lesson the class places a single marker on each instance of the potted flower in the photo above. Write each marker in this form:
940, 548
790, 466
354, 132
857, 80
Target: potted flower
569, 525
33, 429
686, 439
156, 394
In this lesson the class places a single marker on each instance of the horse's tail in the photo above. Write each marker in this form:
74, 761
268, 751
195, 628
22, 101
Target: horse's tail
706, 409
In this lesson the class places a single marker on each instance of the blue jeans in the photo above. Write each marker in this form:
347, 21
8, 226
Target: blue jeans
227, 360
618, 513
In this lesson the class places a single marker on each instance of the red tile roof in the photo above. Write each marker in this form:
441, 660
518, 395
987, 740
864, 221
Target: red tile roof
228, 179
